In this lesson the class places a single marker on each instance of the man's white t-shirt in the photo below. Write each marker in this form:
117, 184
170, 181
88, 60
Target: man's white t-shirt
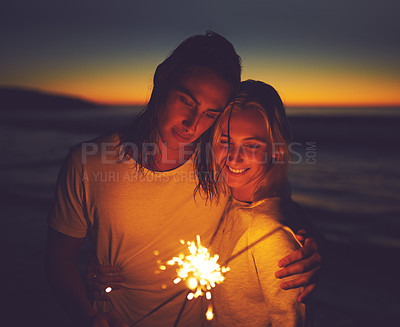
134, 221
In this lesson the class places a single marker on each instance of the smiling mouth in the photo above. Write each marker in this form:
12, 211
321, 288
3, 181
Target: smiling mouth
237, 171
181, 136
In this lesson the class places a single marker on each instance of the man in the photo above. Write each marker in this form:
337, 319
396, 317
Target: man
132, 193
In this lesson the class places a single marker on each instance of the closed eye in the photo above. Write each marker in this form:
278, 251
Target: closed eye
253, 146
225, 142
212, 114
188, 101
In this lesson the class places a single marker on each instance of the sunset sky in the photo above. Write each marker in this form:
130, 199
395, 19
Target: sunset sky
318, 52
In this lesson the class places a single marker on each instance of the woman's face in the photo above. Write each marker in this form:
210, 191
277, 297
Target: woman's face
246, 162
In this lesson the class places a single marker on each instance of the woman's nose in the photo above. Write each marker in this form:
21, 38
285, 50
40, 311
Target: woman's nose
236, 154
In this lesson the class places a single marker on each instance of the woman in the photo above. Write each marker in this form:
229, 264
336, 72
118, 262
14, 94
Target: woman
251, 149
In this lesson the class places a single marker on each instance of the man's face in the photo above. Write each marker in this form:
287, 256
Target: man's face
191, 107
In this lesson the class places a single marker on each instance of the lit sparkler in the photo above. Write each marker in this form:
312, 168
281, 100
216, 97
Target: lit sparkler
199, 270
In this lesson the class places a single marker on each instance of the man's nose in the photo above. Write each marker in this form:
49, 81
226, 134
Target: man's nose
190, 122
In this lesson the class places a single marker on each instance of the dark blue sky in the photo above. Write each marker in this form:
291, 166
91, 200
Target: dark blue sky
88, 47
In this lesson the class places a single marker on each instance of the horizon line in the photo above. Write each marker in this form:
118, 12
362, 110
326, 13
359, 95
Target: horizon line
142, 104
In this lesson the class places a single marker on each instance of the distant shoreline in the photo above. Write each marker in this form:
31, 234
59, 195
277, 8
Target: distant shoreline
20, 98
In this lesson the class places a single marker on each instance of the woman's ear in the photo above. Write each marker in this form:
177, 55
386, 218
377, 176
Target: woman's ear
277, 157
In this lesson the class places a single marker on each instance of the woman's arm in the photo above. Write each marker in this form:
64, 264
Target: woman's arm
283, 309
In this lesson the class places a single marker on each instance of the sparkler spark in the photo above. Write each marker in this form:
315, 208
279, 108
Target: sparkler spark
199, 270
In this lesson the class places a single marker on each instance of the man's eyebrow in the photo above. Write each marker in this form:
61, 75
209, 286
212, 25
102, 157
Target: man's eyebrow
190, 95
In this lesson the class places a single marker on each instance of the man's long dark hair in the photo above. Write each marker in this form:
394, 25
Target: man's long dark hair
211, 51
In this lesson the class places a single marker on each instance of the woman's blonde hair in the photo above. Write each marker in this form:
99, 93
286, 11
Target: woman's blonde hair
265, 99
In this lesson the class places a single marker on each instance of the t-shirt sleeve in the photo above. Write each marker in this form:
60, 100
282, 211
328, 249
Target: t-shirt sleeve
68, 214
272, 244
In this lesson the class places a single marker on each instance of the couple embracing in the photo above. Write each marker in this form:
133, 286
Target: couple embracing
232, 138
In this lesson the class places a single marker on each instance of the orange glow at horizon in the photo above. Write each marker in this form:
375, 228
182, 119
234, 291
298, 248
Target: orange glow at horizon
294, 92
352, 91
305, 82
298, 83
311, 94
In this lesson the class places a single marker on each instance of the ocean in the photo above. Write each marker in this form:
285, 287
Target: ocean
343, 160
345, 170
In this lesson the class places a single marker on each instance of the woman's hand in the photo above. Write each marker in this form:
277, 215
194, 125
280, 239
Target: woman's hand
102, 280
305, 262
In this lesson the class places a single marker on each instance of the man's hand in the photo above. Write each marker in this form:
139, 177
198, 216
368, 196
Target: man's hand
108, 319
99, 278
306, 263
